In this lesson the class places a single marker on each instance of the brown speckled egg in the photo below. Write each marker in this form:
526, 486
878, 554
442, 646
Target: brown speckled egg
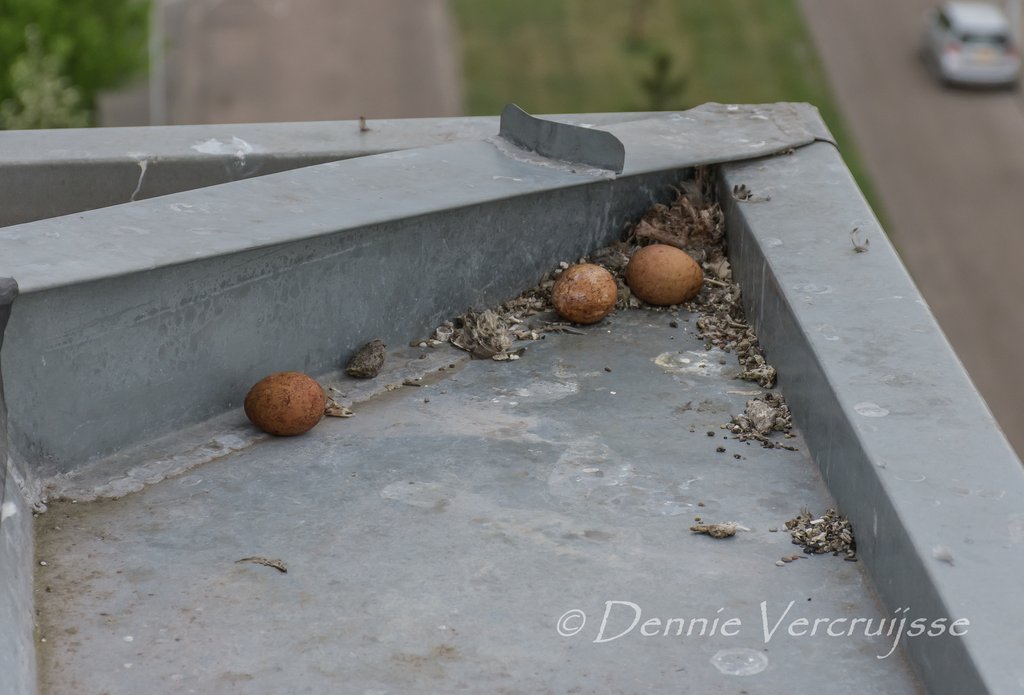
663, 275
584, 293
285, 403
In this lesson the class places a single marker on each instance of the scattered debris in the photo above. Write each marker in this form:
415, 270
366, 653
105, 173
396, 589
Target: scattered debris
942, 554
363, 128
367, 363
722, 325
693, 222
829, 533
266, 561
786, 559
336, 409
722, 322
855, 240
484, 335
741, 192
726, 530
763, 415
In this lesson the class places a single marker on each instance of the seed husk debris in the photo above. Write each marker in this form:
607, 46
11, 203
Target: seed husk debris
828, 533
693, 222
763, 416
336, 409
725, 530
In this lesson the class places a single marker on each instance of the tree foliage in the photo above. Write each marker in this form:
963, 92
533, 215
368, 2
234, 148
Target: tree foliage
43, 97
97, 44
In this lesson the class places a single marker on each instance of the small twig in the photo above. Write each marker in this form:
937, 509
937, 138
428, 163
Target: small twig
266, 561
716, 283
561, 328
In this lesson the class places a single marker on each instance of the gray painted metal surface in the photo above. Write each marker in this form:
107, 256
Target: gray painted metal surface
8, 291
717, 133
50, 173
101, 244
151, 352
46, 173
434, 541
17, 615
904, 441
162, 311
561, 141
890, 417
17, 646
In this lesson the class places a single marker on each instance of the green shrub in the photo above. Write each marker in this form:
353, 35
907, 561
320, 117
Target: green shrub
80, 45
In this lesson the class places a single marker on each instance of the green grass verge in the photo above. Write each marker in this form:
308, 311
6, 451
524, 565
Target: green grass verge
577, 56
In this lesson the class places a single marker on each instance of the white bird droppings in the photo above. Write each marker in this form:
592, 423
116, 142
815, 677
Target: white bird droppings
869, 409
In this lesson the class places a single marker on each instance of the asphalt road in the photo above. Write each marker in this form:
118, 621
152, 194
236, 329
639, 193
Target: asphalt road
232, 61
949, 169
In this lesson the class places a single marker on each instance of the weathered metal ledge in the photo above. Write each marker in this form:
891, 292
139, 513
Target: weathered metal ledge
47, 173
17, 645
161, 311
906, 444
122, 334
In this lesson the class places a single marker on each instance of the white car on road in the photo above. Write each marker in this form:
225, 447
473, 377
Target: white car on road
971, 43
